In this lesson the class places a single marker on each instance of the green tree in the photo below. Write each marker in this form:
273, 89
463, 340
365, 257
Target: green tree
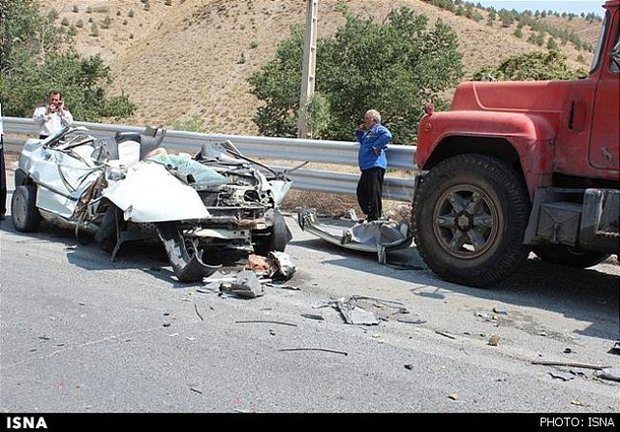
35, 57
393, 67
550, 65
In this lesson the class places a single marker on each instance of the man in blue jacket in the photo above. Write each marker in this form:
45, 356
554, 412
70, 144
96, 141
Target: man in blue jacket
373, 138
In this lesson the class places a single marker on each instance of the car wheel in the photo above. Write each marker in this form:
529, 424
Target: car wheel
24, 212
569, 256
275, 238
469, 217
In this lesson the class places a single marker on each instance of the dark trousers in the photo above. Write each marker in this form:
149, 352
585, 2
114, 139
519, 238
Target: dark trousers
369, 191
2, 181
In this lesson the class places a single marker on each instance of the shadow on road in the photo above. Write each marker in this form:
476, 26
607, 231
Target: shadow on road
85, 253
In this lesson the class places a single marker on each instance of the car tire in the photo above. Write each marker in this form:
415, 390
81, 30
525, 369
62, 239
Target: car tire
469, 217
24, 212
275, 238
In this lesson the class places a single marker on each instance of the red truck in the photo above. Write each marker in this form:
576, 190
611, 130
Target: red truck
524, 166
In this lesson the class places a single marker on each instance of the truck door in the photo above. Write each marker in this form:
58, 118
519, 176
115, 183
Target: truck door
604, 141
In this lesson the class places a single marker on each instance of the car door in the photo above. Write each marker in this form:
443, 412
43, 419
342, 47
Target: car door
63, 171
604, 140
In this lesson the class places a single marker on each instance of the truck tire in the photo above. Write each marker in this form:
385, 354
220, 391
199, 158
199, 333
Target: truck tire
469, 217
24, 212
569, 256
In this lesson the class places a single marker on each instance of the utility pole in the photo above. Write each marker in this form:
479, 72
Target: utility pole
309, 68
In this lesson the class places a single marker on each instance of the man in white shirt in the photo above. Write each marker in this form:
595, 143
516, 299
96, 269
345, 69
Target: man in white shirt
53, 116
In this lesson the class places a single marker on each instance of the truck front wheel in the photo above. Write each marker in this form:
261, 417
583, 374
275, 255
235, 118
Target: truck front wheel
569, 256
469, 216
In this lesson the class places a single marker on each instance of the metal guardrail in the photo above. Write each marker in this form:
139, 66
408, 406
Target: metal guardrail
279, 149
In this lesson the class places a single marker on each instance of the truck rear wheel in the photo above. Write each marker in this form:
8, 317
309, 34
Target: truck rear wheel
469, 216
569, 256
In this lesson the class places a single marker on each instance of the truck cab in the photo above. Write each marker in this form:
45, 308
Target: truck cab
522, 166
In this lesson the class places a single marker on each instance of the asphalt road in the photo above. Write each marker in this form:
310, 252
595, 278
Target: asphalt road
79, 333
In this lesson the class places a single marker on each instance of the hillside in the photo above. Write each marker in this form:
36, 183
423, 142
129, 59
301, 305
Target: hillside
187, 61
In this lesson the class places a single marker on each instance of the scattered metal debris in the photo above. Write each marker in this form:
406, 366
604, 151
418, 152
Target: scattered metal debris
564, 376
198, 312
482, 315
282, 264
612, 374
407, 319
356, 315
314, 349
259, 273
578, 403
454, 396
378, 236
577, 373
194, 389
313, 316
282, 286
369, 310
500, 311
265, 321
569, 364
494, 340
442, 333
245, 285
378, 337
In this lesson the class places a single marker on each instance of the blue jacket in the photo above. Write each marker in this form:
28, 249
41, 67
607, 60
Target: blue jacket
370, 141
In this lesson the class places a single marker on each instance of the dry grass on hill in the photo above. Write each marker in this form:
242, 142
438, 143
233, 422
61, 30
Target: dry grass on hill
188, 61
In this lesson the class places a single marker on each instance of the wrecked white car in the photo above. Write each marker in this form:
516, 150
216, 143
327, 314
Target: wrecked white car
129, 188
